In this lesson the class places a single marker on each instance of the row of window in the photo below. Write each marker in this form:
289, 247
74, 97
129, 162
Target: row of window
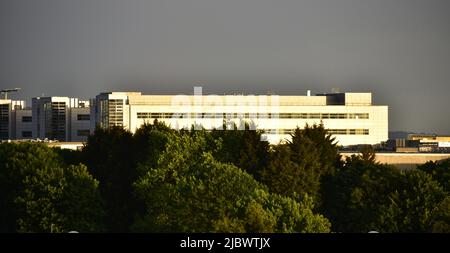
83, 117
168, 115
330, 131
26, 118
83, 132
27, 134
79, 117
115, 112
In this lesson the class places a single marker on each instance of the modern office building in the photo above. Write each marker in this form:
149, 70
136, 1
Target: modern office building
60, 118
350, 117
15, 120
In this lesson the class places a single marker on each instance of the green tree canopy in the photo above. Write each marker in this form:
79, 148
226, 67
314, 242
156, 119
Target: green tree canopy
243, 148
110, 157
364, 196
60, 199
325, 144
298, 167
413, 205
440, 171
149, 141
41, 194
190, 191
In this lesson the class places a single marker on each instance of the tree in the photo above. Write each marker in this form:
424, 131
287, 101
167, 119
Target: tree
60, 199
68, 156
299, 166
325, 144
367, 154
254, 154
364, 196
441, 217
16, 162
282, 175
440, 171
39, 193
190, 191
243, 148
149, 141
110, 157
291, 177
352, 196
412, 206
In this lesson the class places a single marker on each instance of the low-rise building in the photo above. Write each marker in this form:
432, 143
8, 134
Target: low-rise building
15, 120
431, 143
60, 118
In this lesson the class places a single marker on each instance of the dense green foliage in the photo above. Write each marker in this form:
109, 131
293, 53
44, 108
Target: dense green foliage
109, 155
299, 166
163, 180
189, 191
365, 196
41, 194
243, 148
439, 171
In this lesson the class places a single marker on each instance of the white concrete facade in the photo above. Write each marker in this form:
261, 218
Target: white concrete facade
350, 117
15, 120
58, 118
79, 124
23, 127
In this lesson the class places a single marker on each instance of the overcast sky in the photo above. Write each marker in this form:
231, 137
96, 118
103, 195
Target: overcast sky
397, 49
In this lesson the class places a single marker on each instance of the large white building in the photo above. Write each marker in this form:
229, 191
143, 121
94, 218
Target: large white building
350, 117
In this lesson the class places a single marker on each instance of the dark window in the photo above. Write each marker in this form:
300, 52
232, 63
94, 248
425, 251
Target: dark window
83, 132
26, 134
26, 118
4, 121
314, 115
55, 120
83, 117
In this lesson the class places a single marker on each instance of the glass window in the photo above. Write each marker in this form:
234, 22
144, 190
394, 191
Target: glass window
26, 118
84, 117
26, 134
83, 132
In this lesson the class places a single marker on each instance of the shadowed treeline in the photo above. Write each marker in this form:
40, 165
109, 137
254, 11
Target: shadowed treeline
165, 180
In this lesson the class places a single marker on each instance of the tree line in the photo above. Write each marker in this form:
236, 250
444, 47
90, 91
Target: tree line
164, 180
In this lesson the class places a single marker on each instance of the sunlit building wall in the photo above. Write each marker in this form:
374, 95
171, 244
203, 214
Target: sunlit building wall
350, 117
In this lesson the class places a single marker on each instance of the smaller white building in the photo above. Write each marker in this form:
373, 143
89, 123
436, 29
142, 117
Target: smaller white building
60, 118
15, 120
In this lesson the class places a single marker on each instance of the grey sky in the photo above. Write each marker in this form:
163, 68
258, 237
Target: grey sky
397, 49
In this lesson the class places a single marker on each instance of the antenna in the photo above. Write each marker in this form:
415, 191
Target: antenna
6, 91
